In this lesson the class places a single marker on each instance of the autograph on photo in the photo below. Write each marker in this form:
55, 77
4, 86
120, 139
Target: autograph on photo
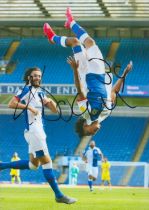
72, 104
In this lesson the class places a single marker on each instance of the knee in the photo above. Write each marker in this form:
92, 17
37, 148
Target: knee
94, 178
47, 165
89, 42
33, 166
75, 42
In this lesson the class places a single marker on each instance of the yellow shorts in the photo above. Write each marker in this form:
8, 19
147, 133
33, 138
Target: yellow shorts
105, 177
14, 172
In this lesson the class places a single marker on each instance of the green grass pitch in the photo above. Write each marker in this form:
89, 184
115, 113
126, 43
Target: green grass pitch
42, 198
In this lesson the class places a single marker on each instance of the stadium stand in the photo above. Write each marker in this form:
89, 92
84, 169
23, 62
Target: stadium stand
145, 155
4, 45
38, 52
53, 57
120, 134
137, 51
19, 8
118, 139
81, 8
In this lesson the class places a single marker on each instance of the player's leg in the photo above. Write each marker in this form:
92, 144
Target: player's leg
91, 178
73, 180
78, 50
94, 173
108, 179
40, 154
80, 32
18, 179
102, 182
103, 178
90, 182
23, 164
13, 179
46, 163
20, 164
94, 54
109, 183
59, 40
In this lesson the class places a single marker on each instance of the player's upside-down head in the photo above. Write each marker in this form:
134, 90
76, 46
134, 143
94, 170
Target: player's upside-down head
83, 129
33, 76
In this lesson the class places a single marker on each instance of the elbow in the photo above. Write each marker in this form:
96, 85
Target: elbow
11, 105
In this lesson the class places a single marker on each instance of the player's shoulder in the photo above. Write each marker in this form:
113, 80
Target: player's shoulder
97, 148
42, 92
24, 90
87, 151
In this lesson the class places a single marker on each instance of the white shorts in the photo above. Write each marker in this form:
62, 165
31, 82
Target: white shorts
36, 139
93, 171
95, 66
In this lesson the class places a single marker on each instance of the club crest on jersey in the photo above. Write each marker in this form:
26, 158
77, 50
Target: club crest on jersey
94, 111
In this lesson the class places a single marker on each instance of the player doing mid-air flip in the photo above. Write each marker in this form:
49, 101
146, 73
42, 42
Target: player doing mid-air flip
95, 92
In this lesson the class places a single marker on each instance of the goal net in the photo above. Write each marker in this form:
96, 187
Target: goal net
122, 173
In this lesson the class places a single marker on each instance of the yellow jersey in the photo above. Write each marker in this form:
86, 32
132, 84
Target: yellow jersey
15, 172
105, 166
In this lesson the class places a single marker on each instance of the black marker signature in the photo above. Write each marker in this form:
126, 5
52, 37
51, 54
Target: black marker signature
71, 106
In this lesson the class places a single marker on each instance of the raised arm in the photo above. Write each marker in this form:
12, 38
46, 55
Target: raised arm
120, 82
74, 65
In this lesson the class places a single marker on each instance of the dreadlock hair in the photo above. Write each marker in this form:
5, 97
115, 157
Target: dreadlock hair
28, 73
79, 126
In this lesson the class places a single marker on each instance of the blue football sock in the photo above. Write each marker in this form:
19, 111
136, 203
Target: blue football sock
60, 40
77, 49
49, 175
90, 183
78, 30
20, 164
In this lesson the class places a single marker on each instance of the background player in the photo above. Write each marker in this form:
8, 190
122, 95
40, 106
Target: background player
74, 173
31, 100
15, 173
105, 172
94, 95
91, 158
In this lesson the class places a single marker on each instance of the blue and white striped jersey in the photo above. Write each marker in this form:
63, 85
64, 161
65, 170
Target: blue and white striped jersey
92, 156
32, 97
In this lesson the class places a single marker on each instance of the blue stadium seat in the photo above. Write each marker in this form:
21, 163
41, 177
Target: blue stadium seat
145, 155
38, 52
137, 51
4, 45
119, 137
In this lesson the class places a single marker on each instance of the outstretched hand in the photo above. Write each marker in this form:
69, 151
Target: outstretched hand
73, 63
129, 66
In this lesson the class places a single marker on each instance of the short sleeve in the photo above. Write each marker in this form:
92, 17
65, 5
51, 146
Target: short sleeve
43, 96
22, 94
85, 108
99, 151
82, 104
